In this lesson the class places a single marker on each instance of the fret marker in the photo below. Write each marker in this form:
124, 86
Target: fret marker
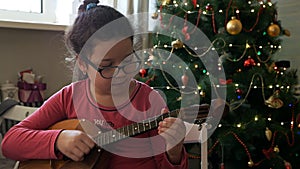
113, 135
99, 132
135, 128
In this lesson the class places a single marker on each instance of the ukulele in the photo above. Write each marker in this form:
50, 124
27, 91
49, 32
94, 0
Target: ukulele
108, 137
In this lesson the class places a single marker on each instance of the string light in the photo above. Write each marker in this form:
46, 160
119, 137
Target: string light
258, 53
270, 3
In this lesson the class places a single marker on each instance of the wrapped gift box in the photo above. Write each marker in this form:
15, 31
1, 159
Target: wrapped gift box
31, 93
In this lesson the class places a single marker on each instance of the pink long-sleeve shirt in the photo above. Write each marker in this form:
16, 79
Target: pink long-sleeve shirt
30, 138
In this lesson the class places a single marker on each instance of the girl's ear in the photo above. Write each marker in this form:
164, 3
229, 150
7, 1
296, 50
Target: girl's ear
82, 65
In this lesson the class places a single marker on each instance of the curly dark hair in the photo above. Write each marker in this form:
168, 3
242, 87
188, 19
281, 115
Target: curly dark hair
88, 22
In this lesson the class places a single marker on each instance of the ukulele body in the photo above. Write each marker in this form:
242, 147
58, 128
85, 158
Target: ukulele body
88, 163
92, 160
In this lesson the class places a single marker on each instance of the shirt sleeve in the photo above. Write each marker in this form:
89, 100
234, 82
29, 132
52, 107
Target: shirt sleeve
165, 163
162, 161
30, 138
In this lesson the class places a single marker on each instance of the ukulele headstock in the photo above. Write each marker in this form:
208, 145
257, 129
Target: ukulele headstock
196, 114
199, 113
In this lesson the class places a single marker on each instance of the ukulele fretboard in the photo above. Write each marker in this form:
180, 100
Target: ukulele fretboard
133, 129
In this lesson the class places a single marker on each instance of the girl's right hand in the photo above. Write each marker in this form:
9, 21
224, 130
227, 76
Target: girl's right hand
74, 144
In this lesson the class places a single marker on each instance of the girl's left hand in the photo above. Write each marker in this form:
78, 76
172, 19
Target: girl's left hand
173, 131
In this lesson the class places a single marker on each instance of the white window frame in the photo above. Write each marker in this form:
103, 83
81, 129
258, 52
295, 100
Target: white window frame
58, 17
48, 15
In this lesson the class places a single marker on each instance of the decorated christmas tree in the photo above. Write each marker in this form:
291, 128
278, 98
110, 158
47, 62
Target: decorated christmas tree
262, 125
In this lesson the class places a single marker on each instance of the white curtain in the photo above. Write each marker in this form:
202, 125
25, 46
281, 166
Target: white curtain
133, 9
127, 7
130, 8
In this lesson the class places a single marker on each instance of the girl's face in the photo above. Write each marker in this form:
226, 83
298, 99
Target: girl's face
116, 63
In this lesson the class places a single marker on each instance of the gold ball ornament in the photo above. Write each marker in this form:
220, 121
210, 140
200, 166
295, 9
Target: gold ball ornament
276, 149
250, 163
177, 44
273, 30
165, 2
234, 26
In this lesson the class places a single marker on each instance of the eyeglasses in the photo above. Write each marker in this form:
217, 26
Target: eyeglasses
109, 72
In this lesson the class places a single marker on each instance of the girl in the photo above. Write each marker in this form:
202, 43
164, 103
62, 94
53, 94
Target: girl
101, 39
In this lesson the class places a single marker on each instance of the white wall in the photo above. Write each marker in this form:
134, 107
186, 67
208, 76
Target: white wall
289, 14
43, 51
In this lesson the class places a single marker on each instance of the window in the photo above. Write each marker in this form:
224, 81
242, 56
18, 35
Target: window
22, 5
41, 11
58, 12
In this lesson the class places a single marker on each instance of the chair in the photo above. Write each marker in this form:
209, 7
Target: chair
10, 114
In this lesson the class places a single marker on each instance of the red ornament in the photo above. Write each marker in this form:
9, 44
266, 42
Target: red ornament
194, 3
187, 37
209, 7
249, 62
239, 91
143, 73
222, 166
184, 29
298, 119
287, 165
184, 79
186, 34
224, 82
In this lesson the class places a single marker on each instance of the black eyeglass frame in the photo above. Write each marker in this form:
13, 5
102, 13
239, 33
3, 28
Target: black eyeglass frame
99, 70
